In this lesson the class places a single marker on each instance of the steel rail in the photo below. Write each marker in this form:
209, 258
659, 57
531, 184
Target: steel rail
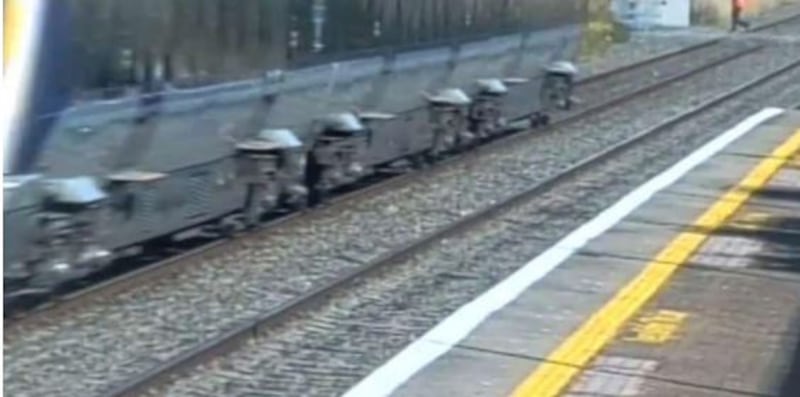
777, 22
681, 51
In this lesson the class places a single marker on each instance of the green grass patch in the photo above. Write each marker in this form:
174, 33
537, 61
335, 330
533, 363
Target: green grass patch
601, 31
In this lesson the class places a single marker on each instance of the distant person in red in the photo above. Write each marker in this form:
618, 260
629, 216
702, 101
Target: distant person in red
738, 7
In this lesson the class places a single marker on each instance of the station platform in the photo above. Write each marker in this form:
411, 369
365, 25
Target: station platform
688, 286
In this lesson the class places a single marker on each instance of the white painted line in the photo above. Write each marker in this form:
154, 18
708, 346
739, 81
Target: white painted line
457, 326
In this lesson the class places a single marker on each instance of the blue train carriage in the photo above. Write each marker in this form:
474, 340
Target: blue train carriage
135, 120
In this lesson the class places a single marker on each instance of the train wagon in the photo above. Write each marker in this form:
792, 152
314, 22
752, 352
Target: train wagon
132, 121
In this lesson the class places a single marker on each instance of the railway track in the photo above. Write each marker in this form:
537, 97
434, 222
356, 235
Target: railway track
260, 328
790, 23
594, 89
176, 265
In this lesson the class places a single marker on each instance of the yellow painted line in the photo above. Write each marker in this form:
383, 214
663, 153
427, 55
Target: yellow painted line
657, 328
12, 30
568, 360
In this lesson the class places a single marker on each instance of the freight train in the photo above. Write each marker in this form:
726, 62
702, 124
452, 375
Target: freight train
127, 122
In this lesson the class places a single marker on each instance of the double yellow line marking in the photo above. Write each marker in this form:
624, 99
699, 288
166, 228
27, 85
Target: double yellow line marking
575, 353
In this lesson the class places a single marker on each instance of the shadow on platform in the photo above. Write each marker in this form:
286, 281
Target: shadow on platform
781, 253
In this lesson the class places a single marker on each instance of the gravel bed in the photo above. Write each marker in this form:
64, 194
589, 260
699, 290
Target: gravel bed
639, 47
697, 34
329, 350
615, 86
791, 28
131, 333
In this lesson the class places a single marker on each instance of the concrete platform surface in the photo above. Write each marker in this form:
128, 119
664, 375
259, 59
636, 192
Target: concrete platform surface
728, 323
725, 323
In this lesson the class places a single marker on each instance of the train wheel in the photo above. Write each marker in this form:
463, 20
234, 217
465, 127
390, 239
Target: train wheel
318, 196
313, 176
440, 146
298, 205
252, 209
230, 227
556, 92
538, 120
544, 120
419, 161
